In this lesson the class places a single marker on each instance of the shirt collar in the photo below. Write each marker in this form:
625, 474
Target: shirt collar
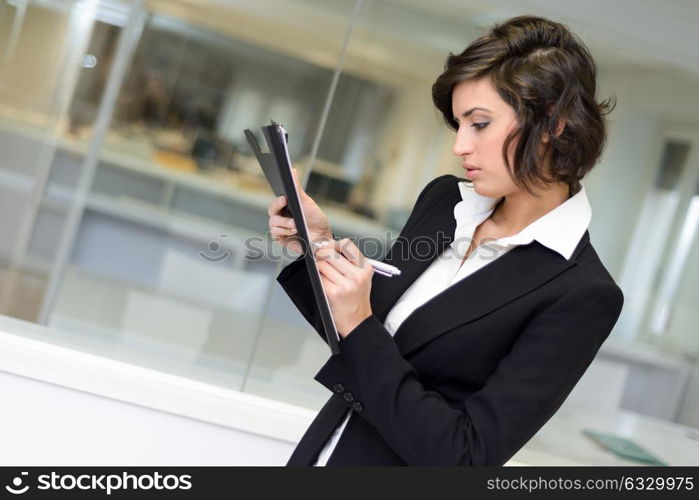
560, 229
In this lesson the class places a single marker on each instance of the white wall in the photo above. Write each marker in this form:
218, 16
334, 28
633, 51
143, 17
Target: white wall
66, 406
46, 424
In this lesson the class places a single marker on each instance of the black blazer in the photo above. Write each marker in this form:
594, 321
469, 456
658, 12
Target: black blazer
471, 375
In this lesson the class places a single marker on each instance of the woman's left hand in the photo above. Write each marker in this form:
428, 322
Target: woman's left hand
346, 277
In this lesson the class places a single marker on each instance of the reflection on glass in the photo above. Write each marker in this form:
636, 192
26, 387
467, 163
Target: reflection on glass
189, 93
165, 266
649, 252
37, 80
675, 315
664, 202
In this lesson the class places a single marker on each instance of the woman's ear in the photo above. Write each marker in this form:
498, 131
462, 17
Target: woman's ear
559, 128
559, 131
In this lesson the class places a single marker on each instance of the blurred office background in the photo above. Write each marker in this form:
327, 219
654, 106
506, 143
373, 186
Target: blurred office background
128, 192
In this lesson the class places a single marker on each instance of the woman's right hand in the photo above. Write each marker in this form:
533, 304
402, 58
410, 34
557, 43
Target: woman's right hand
283, 229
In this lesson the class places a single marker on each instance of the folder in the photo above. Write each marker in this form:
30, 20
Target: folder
276, 166
623, 447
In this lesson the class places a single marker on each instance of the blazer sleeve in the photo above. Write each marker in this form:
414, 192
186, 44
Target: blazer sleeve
492, 424
297, 285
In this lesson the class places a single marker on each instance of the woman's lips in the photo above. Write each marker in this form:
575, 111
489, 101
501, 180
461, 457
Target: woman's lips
471, 171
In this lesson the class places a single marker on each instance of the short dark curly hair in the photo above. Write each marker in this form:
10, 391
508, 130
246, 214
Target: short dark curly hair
546, 74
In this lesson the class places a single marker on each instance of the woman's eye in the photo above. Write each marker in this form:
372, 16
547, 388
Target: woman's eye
480, 126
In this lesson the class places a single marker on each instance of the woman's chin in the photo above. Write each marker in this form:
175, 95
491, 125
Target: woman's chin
482, 190
488, 191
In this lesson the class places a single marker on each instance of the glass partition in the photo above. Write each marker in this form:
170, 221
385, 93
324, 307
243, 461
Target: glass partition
42, 44
169, 262
675, 317
669, 318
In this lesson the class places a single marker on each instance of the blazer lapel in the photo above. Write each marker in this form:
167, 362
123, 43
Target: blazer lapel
513, 275
412, 253
510, 276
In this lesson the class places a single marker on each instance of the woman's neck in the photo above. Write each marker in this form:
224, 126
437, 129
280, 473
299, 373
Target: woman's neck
517, 210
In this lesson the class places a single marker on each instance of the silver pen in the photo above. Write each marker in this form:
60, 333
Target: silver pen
383, 268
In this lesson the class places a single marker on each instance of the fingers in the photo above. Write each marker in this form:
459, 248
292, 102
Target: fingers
279, 226
276, 206
330, 255
350, 251
280, 221
280, 234
330, 272
328, 286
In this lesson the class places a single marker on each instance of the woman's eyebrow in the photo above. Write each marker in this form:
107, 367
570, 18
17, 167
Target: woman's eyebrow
466, 113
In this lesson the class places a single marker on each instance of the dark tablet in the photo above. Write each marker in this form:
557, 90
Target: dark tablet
276, 165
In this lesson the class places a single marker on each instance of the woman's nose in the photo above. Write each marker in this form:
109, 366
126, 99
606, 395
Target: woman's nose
462, 146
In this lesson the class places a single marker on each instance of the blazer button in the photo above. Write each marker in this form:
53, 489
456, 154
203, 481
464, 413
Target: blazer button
357, 406
338, 388
348, 397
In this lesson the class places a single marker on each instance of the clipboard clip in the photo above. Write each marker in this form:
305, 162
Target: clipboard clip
286, 134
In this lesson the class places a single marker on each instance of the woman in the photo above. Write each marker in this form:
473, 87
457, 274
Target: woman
469, 352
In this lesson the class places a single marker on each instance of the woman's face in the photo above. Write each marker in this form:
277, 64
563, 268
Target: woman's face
484, 121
